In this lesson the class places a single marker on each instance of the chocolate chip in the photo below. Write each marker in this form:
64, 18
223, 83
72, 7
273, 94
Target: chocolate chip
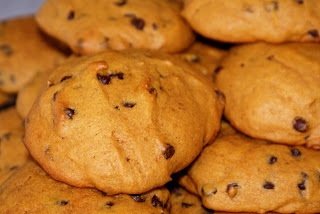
62, 203
103, 193
242, 65
300, 124
299, 1
302, 185
186, 205
169, 151
138, 198
271, 57
208, 189
128, 105
218, 69
155, 26
55, 96
314, 33
307, 137
152, 90
118, 75
69, 112
274, 5
14, 167
6, 49
138, 23
121, 3
109, 204
104, 79
268, 185
232, 189
295, 152
155, 201
70, 15
65, 78
117, 107
221, 96
273, 159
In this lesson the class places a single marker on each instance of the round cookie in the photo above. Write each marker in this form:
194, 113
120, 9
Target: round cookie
273, 91
10, 120
30, 190
122, 122
203, 58
240, 174
120, 24
273, 21
24, 51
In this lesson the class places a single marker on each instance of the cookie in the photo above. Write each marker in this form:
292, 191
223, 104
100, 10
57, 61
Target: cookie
203, 58
119, 24
118, 119
24, 51
30, 190
10, 120
29, 92
240, 174
273, 91
5, 99
273, 21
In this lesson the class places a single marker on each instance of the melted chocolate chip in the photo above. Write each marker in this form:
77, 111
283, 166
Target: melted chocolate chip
104, 79
186, 205
70, 15
103, 193
302, 185
117, 107
218, 69
62, 203
273, 159
314, 33
65, 78
138, 198
271, 57
6, 49
55, 96
220, 94
121, 3
300, 124
232, 185
118, 75
155, 26
109, 204
128, 105
155, 201
299, 1
295, 152
232, 189
268, 185
69, 112
208, 190
152, 90
138, 23
169, 151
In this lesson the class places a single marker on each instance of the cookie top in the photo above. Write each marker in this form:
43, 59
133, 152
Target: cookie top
116, 119
29, 92
21, 60
45, 195
241, 174
10, 121
273, 91
120, 24
273, 21
203, 58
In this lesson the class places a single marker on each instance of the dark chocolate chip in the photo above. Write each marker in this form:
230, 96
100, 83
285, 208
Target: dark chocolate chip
220, 94
106, 39
70, 15
69, 112
208, 190
232, 185
169, 151
62, 203
104, 79
300, 124
138, 23
218, 69
118, 75
314, 33
6, 49
120, 3
55, 96
242, 65
103, 193
138, 198
268, 185
109, 204
271, 57
152, 90
14, 167
295, 152
155, 201
232, 189
128, 105
299, 1
273, 159
128, 159
186, 205
302, 185
155, 26
307, 137
117, 107
65, 78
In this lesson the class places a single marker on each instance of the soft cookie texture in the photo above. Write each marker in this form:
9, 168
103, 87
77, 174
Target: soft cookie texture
30, 190
273, 21
273, 91
10, 120
24, 51
119, 24
240, 174
122, 122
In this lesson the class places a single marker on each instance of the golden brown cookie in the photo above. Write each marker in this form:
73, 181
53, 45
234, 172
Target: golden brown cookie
24, 51
273, 91
6, 99
10, 120
240, 174
119, 24
274, 21
122, 122
30, 190
203, 58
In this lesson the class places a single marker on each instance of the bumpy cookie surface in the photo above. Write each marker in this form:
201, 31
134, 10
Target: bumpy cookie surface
30, 190
272, 21
241, 174
120, 24
24, 51
273, 91
122, 122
